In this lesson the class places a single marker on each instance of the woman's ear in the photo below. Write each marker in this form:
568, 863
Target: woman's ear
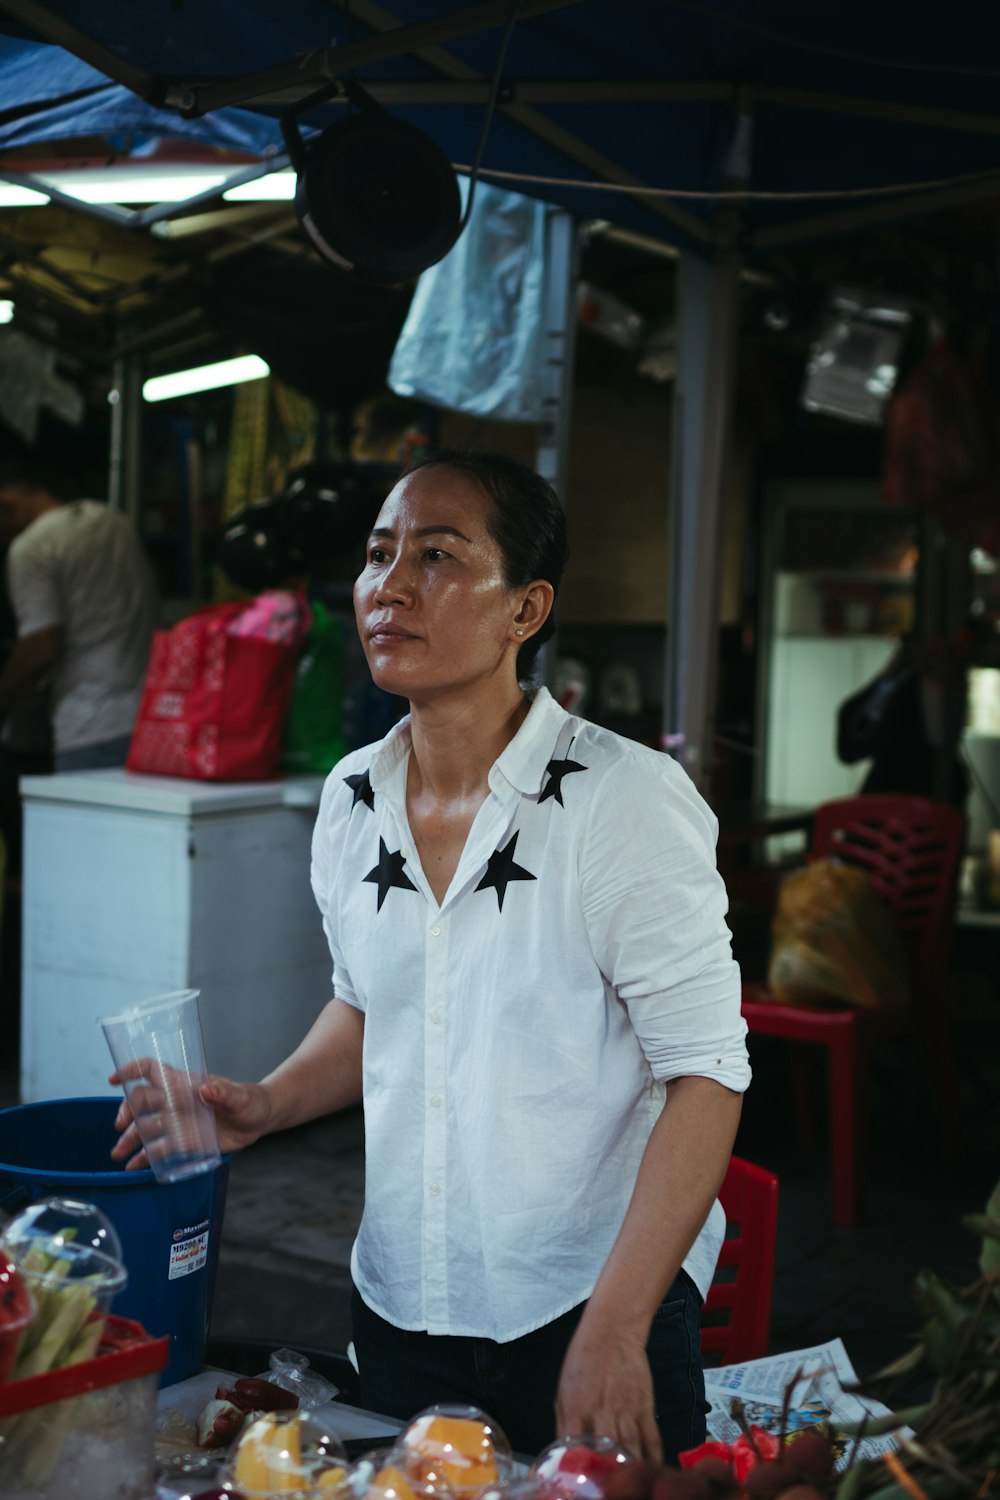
536, 606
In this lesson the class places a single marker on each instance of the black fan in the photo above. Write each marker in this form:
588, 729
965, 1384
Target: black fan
377, 197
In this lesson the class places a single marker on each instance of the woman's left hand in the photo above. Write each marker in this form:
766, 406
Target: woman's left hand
606, 1388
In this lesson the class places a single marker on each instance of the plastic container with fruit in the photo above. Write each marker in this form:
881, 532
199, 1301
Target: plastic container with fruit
71, 1259
382, 1474
580, 1466
288, 1453
85, 1430
459, 1447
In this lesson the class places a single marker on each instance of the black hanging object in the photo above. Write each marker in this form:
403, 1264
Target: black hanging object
253, 550
326, 509
376, 196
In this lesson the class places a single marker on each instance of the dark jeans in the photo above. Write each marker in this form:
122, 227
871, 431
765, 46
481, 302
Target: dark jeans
515, 1383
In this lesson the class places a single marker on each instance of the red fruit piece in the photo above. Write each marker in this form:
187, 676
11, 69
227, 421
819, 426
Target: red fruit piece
630, 1481
253, 1394
218, 1423
681, 1484
581, 1459
17, 1308
809, 1453
770, 1479
719, 1473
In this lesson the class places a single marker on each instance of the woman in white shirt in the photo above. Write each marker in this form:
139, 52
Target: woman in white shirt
528, 940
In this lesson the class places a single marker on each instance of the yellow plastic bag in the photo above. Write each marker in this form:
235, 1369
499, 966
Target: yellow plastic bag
834, 942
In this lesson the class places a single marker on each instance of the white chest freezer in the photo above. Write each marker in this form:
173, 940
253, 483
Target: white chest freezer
138, 885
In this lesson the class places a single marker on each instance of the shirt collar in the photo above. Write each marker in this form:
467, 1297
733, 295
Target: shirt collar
390, 754
522, 764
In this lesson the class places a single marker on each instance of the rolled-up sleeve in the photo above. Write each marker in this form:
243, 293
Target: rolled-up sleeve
328, 834
655, 907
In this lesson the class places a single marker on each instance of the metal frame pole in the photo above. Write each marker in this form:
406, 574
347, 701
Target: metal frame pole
562, 254
125, 447
708, 299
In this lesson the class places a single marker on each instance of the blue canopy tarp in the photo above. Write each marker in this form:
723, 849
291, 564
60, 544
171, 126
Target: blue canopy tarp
663, 97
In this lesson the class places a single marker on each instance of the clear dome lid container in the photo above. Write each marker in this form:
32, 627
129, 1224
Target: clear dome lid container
520, 1487
60, 1243
580, 1466
382, 1474
459, 1447
288, 1453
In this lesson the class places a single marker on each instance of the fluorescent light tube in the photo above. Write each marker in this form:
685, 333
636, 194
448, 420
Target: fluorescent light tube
276, 187
122, 185
12, 196
205, 377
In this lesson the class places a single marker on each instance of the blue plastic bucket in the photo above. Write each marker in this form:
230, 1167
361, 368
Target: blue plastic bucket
170, 1232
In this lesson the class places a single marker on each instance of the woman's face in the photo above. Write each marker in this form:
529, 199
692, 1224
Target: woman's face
434, 611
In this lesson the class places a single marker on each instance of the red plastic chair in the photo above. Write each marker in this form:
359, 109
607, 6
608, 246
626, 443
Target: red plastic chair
736, 1317
911, 848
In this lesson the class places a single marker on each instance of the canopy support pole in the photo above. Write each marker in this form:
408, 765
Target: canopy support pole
124, 458
562, 254
561, 262
708, 303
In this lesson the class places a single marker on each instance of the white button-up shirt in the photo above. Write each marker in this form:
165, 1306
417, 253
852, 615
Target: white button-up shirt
519, 1037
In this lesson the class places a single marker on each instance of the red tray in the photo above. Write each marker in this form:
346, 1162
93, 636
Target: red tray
126, 1350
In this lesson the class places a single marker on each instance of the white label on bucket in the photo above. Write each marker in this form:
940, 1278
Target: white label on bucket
189, 1250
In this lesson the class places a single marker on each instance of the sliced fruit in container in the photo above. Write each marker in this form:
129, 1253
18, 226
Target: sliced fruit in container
287, 1451
458, 1446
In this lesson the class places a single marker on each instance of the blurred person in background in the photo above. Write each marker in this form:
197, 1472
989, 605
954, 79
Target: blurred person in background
84, 600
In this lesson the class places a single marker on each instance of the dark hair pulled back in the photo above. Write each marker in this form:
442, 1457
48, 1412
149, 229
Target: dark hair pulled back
525, 520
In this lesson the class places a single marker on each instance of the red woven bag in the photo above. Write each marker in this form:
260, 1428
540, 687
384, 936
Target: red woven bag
214, 705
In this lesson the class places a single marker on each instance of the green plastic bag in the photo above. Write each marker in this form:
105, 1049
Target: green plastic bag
314, 738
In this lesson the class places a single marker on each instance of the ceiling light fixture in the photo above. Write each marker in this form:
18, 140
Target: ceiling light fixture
6, 310
276, 187
14, 196
148, 184
205, 378
124, 185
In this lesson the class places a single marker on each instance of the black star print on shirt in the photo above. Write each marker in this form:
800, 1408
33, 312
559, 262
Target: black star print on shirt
501, 870
362, 788
388, 872
557, 769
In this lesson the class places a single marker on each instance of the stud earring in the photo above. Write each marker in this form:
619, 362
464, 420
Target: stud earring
518, 632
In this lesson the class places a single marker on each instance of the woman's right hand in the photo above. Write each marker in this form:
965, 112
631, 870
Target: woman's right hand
242, 1113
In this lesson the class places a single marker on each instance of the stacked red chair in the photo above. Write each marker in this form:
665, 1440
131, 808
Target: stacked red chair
911, 849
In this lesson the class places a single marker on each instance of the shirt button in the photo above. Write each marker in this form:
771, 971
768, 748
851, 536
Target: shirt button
435, 1101
435, 1189
435, 932
435, 1017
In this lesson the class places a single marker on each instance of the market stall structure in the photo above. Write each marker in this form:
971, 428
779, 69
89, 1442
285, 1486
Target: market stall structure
729, 140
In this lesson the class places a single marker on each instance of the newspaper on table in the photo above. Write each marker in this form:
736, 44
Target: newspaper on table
819, 1373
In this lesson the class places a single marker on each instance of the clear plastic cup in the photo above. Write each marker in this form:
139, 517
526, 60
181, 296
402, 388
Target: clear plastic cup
157, 1046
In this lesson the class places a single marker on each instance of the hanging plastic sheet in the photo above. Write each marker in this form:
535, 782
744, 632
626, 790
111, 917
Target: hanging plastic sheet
474, 338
